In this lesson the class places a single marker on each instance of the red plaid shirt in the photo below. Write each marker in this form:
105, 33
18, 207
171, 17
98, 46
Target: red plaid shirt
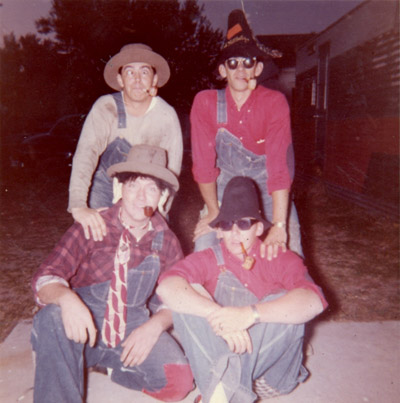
83, 262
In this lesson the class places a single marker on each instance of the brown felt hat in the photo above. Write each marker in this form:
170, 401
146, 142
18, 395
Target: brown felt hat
147, 160
136, 52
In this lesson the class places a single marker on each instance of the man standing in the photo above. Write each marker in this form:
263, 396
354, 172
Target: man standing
244, 129
133, 115
96, 296
249, 334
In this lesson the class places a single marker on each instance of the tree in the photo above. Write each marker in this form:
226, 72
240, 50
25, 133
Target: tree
90, 32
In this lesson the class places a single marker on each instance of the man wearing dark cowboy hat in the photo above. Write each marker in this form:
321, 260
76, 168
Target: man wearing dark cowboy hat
250, 333
244, 129
96, 296
132, 115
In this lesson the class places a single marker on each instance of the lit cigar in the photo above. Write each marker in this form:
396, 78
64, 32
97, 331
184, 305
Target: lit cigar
248, 260
148, 211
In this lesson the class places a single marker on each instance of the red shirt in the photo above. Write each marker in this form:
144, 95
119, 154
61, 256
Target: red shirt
285, 272
84, 262
262, 125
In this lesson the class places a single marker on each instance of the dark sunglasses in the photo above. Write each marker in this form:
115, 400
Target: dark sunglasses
243, 224
248, 62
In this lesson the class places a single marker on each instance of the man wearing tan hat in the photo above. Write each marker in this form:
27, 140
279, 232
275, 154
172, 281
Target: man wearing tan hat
98, 306
244, 129
132, 115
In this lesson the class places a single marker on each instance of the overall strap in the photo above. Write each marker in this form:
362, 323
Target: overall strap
222, 116
157, 243
219, 256
120, 109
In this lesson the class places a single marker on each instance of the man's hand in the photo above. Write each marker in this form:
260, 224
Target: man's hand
230, 319
77, 319
239, 342
202, 226
139, 343
91, 221
276, 238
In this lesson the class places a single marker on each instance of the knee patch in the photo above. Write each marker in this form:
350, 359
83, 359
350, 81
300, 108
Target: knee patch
179, 383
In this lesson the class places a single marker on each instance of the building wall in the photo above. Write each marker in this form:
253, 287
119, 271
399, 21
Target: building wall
361, 145
366, 21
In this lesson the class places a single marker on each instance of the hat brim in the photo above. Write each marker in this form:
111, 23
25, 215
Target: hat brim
136, 56
221, 217
146, 169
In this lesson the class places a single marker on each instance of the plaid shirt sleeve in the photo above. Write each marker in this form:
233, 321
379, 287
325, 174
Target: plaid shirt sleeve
65, 258
171, 251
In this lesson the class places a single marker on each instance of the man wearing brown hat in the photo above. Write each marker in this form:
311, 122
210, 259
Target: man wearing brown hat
244, 129
97, 299
249, 334
133, 115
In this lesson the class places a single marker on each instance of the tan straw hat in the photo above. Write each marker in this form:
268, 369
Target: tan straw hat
136, 52
147, 160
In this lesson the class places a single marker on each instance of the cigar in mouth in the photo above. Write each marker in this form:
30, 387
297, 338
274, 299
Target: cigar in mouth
148, 211
251, 83
248, 260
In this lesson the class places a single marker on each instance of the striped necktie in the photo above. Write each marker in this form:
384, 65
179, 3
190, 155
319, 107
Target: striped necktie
114, 324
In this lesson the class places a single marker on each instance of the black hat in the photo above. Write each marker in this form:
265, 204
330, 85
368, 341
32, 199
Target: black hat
240, 200
240, 41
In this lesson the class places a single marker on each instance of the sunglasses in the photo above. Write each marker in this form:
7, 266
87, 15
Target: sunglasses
243, 224
248, 62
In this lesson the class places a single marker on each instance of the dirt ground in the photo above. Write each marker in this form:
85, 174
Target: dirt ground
351, 252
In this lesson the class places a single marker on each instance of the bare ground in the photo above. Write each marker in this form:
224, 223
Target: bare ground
351, 252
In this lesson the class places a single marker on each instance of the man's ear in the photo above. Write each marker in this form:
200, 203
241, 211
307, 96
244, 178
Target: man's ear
222, 70
260, 228
219, 233
120, 82
155, 80
259, 68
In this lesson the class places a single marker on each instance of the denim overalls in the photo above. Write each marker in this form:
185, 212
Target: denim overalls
277, 348
233, 159
60, 362
101, 191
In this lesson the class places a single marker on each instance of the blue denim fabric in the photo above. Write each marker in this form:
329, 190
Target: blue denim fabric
233, 159
276, 356
101, 192
60, 362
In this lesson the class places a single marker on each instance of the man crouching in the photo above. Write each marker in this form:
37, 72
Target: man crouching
246, 341
96, 295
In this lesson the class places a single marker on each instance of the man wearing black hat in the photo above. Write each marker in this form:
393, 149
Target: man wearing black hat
244, 129
250, 333
96, 296
132, 115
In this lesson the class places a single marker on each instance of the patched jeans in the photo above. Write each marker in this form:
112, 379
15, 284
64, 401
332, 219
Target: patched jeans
61, 363
276, 357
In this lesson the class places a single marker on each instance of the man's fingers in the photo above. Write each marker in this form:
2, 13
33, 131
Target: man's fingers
262, 250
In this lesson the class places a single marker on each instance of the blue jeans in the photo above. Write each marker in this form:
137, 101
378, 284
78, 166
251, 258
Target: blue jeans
233, 159
101, 192
60, 362
276, 357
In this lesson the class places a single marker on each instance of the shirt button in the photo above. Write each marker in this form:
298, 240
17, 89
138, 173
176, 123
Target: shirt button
240, 121
246, 285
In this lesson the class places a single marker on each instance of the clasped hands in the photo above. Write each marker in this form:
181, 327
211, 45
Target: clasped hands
231, 323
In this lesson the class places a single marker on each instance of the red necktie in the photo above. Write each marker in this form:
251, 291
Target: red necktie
114, 324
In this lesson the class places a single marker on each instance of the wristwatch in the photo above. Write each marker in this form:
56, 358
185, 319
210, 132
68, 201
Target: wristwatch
256, 315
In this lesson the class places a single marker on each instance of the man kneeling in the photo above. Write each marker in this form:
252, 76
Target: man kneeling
96, 295
250, 334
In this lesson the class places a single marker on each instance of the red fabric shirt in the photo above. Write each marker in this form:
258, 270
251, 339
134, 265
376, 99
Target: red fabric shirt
262, 125
285, 272
84, 262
